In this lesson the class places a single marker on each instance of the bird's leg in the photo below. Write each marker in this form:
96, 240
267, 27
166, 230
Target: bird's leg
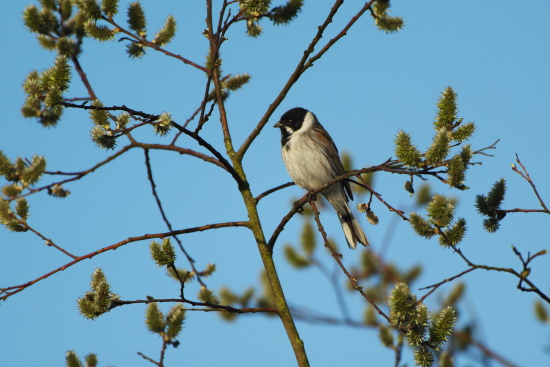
311, 196
300, 209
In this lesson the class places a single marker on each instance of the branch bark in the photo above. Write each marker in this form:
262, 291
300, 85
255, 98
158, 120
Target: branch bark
7, 292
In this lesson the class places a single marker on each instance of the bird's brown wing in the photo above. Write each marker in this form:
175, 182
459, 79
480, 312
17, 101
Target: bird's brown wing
332, 154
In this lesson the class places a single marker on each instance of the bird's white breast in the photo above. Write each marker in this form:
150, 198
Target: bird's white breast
306, 162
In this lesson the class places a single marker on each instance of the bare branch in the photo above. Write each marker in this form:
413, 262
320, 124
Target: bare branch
337, 256
522, 276
210, 306
151, 118
154, 46
298, 71
526, 176
165, 218
149, 359
83, 77
490, 147
433, 287
342, 33
391, 208
48, 241
270, 191
79, 175
7, 292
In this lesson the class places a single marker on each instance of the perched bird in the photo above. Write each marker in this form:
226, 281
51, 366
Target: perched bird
311, 159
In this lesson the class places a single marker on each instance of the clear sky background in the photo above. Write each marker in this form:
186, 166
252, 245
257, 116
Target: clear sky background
495, 54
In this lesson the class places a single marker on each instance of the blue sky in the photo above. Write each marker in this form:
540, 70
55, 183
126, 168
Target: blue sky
370, 85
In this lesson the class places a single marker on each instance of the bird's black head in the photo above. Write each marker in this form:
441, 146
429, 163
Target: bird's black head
293, 118
290, 122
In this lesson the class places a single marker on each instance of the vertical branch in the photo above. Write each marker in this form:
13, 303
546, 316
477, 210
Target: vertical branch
250, 202
223, 113
216, 40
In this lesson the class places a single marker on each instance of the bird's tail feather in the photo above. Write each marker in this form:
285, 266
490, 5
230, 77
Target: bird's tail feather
352, 230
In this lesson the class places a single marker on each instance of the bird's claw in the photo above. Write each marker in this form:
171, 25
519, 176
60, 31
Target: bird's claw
298, 209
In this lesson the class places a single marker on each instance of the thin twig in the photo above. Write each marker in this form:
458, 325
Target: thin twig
522, 276
242, 183
163, 351
526, 176
152, 118
490, 147
342, 33
379, 197
7, 292
149, 359
315, 317
337, 256
526, 271
152, 45
211, 306
216, 41
333, 279
270, 191
165, 218
398, 352
83, 78
48, 241
433, 287
518, 210
298, 71
79, 175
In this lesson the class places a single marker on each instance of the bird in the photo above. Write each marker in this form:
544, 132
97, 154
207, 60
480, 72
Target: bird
311, 159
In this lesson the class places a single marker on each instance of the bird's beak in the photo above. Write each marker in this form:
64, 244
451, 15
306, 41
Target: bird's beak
278, 124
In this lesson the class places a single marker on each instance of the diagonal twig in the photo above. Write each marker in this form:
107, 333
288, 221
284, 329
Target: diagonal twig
165, 218
298, 71
526, 176
6, 292
433, 287
337, 256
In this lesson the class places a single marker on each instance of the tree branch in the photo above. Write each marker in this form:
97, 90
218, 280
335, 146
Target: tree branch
522, 276
149, 359
79, 175
211, 306
342, 33
337, 256
270, 191
154, 46
7, 292
83, 77
151, 118
526, 176
165, 218
48, 241
298, 71
433, 287
386, 166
